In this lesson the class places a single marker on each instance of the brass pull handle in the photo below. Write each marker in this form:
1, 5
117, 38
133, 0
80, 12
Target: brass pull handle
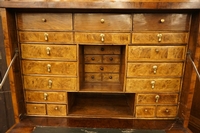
50, 83
155, 69
159, 37
48, 50
157, 98
110, 77
45, 96
48, 67
45, 36
153, 84
101, 68
102, 20
92, 76
167, 110
56, 108
92, 58
111, 58
44, 20
102, 37
145, 110
162, 20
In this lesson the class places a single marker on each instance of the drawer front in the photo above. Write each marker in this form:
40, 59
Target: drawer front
102, 38
101, 68
57, 37
174, 22
56, 110
49, 67
110, 77
156, 53
157, 98
159, 38
44, 21
153, 85
154, 69
49, 83
166, 111
102, 50
36, 109
61, 52
102, 22
92, 77
111, 59
102, 58
39, 96
145, 111
93, 58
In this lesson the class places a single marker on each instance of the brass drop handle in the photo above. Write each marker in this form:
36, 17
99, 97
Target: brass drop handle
110, 77
44, 20
167, 110
111, 58
101, 68
92, 58
157, 50
45, 96
162, 20
157, 98
145, 110
102, 20
50, 83
159, 37
102, 37
48, 67
35, 107
56, 108
155, 69
46, 36
92, 76
153, 84
48, 49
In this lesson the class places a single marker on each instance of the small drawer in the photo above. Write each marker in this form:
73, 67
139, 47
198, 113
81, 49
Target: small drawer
36, 109
166, 111
110, 77
93, 77
154, 69
56, 37
159, 38
44, 21
153, 85
102, 50
49, 83
56, 110
93, 58
102, 68
154, 22
102, 38
155, 53
109, 22
157, 98
145, 111
111, 58
39, 96
49, 68
52, 52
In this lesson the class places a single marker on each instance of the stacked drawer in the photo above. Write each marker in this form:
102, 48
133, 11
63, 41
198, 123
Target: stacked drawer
49, 61
155, 63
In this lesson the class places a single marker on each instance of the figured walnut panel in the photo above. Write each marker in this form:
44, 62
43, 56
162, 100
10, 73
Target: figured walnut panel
147, 69
157, 21
156, 53
102, 50
153, 85
44, 21
57, 37
49, 67
102, 22
166, 111
56, 110
49, 83
101, 68
39, 51
35, 109
145, 111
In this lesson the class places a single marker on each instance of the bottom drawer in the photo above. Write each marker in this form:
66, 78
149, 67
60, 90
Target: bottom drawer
36, 109
145, 111
56, 110
166, 111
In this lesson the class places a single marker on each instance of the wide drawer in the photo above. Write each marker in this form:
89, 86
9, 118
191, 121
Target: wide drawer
145, 111
49, 83
166, 111
156, 21
154, 69
159, 38
40, 51
102, 58
102, 22
44, 21
156, 53
49, 67
35, 109
153, 85
40, 96
157, 98
56, 110
57, 37
102, 38
101, 68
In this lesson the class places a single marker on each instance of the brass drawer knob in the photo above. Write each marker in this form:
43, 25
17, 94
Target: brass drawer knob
155, 69
157, 50
167, 110
44, 20
111, 58
92, 58
159, 37
48, 67
50, 83
153, 84
45, 96
102, 37
157, 98
101, 68
145, 110
48, 49
92, 77
110, 77
102, 20
35, 107
162, 20
46, 36
56, 108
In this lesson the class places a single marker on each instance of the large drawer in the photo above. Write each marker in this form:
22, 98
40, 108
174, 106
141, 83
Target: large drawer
56, 110
101, 68
145, 111
102, 22
154, 69
166, 111
40, 96
153, 85
40, 51
56, 37
36, 109
156, 53
44, 21
49, 67
156, 21
49, 83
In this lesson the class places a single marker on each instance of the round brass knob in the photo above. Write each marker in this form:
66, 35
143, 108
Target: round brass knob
35, 107
145, 110
111, 58
92, 58
92, 76
56, 108
110, 77
101, 68
162, 20
167, 110
44, 20
102, 20
157, 50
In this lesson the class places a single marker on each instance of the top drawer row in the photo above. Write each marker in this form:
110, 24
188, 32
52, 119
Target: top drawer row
95, 22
